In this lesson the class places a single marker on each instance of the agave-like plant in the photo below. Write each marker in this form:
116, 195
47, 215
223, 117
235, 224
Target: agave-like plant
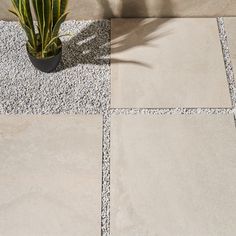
43, 37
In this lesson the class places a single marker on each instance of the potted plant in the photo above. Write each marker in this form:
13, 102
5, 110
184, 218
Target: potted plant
44, 46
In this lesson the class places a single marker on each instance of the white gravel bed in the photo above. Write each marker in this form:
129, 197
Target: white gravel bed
81, 84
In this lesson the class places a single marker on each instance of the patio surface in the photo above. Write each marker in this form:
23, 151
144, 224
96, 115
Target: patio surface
167, 63
135, 139
50, 175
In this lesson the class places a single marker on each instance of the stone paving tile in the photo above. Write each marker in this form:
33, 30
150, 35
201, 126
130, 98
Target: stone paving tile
50, 175
167, 63
173, 175
230, 25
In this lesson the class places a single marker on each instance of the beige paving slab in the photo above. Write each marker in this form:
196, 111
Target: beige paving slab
173, 175
50, 175
167, 63
230, 26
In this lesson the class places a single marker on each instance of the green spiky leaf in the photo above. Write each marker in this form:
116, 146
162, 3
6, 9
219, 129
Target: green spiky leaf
50, 14
57, 26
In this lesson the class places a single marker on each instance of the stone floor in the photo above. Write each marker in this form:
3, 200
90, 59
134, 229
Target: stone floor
142, 144
173, 175
190, 71
50, 175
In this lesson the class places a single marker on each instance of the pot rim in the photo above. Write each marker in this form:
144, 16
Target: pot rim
59, 52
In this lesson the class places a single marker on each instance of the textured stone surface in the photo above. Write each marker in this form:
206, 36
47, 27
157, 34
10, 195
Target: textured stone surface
173, 175
167, 63
50, 175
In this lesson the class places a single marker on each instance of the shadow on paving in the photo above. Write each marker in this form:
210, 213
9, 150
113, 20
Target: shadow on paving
90, 46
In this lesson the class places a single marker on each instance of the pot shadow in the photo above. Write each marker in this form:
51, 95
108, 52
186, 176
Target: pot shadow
93, 45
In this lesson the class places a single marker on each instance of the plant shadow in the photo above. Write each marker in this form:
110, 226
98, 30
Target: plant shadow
90, 46
94, 44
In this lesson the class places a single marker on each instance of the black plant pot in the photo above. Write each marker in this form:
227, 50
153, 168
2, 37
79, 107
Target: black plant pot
48, 64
